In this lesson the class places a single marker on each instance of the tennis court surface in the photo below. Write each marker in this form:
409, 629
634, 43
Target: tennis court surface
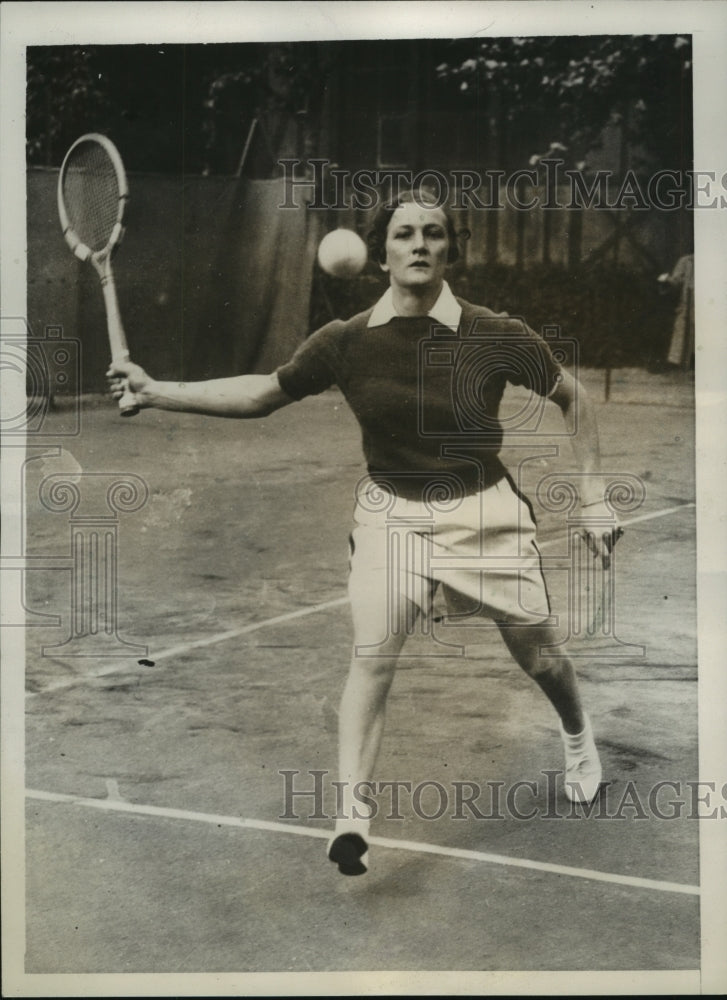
158, 836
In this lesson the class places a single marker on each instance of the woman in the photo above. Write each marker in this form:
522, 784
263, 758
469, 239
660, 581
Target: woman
412, 426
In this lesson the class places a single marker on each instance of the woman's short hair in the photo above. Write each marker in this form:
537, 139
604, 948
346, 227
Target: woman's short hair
376, 238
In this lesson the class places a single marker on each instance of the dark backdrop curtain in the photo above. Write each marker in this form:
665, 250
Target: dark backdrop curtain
257, 298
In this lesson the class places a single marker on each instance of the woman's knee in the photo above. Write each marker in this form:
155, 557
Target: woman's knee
533, 648
374, 664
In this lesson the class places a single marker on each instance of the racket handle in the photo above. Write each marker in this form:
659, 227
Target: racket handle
128, 406
117, 337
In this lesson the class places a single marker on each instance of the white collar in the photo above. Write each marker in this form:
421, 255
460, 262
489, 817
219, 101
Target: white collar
446, 310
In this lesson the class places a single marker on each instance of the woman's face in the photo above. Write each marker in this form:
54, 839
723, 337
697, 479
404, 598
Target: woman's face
416, 246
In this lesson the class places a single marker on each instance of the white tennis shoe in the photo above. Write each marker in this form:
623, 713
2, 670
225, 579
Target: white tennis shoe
583, 772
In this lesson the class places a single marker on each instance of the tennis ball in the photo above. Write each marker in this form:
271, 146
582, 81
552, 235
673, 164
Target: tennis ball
342, 253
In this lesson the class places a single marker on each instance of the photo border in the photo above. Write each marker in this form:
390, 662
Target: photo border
24, 24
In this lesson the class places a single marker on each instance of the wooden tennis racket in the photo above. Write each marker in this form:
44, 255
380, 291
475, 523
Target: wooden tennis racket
92, 195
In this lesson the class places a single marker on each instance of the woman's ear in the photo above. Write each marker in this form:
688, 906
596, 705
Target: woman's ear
384, 266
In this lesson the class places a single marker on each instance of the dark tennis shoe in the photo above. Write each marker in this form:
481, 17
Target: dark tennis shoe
350, 852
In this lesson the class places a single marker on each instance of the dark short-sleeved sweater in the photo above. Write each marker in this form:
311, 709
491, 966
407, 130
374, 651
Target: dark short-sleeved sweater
426, 398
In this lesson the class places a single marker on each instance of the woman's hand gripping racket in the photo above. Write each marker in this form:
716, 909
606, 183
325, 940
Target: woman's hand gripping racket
92, 195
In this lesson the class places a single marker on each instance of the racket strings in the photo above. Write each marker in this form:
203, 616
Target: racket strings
91, 194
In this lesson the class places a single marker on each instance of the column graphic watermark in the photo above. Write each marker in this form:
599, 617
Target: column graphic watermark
93, 502
42, 376
591, 584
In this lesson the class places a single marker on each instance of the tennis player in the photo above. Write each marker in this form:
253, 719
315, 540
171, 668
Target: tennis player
455, 512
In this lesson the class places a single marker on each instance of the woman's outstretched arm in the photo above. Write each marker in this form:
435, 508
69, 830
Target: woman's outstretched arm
241, 396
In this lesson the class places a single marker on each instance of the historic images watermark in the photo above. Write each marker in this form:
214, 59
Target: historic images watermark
469, 367
45, 366
496, 800
549, 185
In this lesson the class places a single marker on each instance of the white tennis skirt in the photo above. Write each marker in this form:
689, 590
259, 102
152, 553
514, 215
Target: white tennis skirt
480, 548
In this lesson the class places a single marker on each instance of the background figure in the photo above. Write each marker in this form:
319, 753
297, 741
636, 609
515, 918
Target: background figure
681, 348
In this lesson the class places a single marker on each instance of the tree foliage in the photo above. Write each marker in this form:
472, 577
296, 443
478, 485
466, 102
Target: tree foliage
262, 82
66, 89
188, 108
582, 84
181, 108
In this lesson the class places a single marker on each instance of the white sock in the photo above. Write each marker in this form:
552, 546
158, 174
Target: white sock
576, 741
352, 824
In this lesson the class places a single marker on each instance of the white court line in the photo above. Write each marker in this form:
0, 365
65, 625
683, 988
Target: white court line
417, 847
657, 513
626, 524
165, 654
234, 633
